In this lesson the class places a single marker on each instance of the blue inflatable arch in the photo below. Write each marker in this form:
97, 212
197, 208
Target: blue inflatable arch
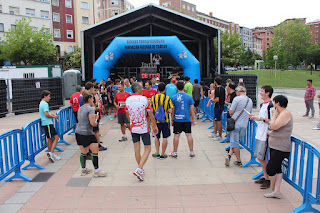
142, 45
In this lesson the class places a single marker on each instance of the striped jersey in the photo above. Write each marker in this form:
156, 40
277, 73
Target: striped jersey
163, 100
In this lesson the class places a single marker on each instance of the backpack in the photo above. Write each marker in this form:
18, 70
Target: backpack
270, 105
160, 113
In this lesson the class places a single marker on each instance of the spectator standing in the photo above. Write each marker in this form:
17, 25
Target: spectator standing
88, 87
153, 84
241, 118
127, 85
188, 86
47, 125
281, 125
110, 100
98, 108
74, 102
205, 89
119, 103
137, 109
309, 97
182, 117
171, 88
263, 120
197, 95
161, 99
318, 126
156, 58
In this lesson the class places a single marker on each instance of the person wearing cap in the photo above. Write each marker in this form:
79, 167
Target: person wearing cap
241, 118
171, 88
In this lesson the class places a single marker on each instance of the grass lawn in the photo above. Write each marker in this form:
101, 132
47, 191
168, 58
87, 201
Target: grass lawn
285, 78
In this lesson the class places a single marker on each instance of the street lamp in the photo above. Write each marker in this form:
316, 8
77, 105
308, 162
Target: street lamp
275, 58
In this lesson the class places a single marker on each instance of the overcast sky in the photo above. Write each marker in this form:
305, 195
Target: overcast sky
253, 13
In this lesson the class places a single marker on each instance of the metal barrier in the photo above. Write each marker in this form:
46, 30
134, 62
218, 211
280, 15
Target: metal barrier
35, 142
65, 122
12, 154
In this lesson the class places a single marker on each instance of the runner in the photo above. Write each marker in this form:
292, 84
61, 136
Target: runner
47, 125
137, 107
149, 92
98, 108
74, 102
119, 103
110, 100
171, 88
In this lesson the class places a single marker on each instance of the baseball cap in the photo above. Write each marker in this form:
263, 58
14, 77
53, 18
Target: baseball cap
173, 80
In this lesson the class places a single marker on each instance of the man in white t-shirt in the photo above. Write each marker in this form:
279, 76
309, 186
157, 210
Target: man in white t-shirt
137, 109
263, 120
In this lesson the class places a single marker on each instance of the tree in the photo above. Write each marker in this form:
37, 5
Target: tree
314, 54
73, 60
246, 57
290, 41
31, 47
231, 48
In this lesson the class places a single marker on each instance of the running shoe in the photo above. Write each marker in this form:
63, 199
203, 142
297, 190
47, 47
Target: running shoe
237, 163
227, 160
85, 172
55, 157
50, 156
123, 139
164, 156
156, 155
102, 148
98, 174
110, 118
212, 136
139, 175
173, 155
217, 138
192, 155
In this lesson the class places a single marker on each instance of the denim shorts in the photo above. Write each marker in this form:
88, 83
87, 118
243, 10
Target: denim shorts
236, 135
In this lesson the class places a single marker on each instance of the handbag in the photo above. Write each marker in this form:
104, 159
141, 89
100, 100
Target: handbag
231, 123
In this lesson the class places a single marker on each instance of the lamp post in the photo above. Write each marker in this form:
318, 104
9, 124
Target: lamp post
275, 58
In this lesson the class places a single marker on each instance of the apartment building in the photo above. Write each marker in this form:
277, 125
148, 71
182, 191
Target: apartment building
257, 45
234, 28
180, 6
39, 12
222, 24
246, 37
315, 30
109, 8
264, 33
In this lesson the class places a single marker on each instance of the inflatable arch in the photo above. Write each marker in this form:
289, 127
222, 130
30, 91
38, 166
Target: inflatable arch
142, 45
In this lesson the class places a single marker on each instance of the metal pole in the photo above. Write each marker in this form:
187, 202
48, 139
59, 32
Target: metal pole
275, 73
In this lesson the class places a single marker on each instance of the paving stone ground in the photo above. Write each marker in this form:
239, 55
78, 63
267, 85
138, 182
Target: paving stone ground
202, 184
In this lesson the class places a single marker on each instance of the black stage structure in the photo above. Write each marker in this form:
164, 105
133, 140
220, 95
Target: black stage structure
152, 20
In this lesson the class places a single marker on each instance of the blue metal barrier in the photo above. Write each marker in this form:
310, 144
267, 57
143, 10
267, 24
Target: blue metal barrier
35, 142
12, 154
65, 122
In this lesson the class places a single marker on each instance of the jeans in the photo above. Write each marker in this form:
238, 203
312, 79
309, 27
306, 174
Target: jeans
236, 135
309, 105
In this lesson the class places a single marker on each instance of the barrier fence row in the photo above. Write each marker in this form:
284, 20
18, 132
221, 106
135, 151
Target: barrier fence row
19, 145
301, 170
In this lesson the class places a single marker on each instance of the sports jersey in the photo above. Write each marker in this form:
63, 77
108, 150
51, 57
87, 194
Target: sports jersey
150, 93
74, 100
121, 97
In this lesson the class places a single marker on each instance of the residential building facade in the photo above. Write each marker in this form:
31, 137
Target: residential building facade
180, 6
109, 8
222, 24
257, 45
39, 13
265, 33
246, 36
315, 30
234, 28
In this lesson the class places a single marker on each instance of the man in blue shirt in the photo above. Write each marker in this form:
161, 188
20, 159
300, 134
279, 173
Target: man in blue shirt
171, 88
47, 125
182, 118
127, 86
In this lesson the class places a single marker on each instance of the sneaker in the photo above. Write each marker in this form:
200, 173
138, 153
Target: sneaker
217, 138
173, 155
100, 173
102, 148
85, 172
305, 116
164, 156
139, 175
260, 180
212, 136
316, 128
50, 156
123, 139
55, 157
265, 184
110, 118
312, 116
156, 155
237, 163
227, 160
192, 155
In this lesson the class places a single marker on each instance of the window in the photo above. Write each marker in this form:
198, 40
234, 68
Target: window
85, 20
55, 3
30, 12
14, 10
317, 36
68, 3
13, 26
56, 33
184, 6
114, 2
192, 9
267, 39
1, 27
70, 34
56, 17
188, 7
84, 5
28, 75
267, 44
114, 12
267, 33
69, 19
70, 49
0, 8
44, 14
99, 14
317, 25
316, 41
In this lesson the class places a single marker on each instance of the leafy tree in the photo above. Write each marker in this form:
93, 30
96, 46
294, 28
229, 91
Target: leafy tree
246, 57
231, 48
31, 47
73, 60
313, 55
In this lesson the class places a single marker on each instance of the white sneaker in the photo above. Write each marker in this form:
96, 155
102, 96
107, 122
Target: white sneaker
316, 128
56, 157
217, 138
212, 136
50, 156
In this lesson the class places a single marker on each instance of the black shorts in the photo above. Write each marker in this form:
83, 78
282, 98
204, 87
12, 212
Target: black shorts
76, 115
50, 131
85, 140
179, 127
165, 129
145, 138
275, 163
217, 114
110, 104
196, 103
122, 118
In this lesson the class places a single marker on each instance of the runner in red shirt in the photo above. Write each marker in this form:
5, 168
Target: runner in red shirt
74, 102
119, 103
149, 92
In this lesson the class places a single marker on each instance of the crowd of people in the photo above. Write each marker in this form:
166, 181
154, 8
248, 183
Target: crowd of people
140, 105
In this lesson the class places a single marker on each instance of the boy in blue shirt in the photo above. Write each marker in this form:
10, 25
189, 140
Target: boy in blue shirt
47, 125
182, 118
